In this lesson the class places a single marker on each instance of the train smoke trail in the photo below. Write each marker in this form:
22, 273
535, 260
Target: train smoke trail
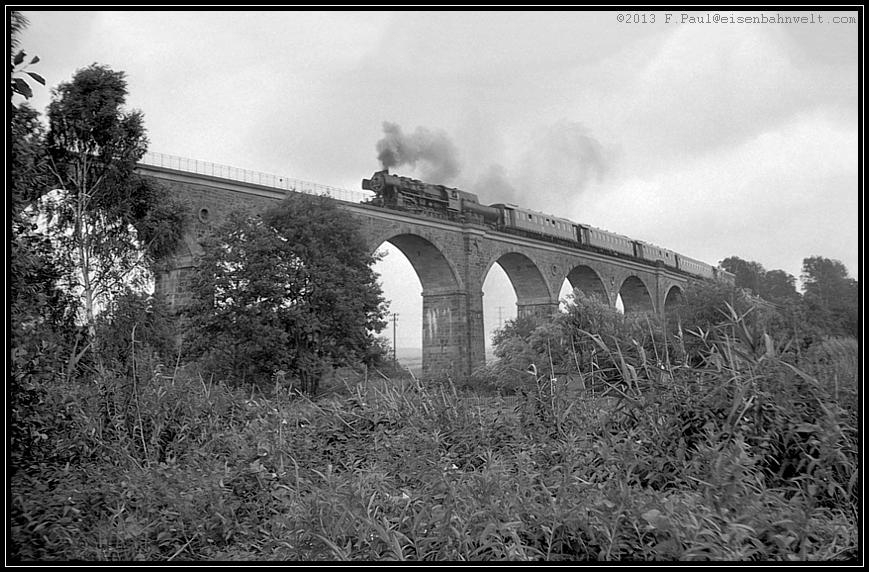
558, 164
435, 152
494, 186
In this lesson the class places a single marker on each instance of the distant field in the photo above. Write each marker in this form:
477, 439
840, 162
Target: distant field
411, 358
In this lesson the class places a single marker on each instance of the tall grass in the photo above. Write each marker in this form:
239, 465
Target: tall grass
745, 457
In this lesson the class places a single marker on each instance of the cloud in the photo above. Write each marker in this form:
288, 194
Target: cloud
775, 198
703, 90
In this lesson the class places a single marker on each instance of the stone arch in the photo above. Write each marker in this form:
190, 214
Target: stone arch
587, 279
635, 295
533, 294
445, 333
675, 297
435, 271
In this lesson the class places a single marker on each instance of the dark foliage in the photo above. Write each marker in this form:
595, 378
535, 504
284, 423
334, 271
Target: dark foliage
135, 329
43, 338
18, 64
290, 291
831, 298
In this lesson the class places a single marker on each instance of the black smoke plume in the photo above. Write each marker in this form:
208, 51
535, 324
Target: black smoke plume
434, 151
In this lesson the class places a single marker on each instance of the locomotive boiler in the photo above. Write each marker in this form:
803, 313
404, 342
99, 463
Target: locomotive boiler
404, 193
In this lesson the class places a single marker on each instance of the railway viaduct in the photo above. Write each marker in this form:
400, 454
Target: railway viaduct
451, 259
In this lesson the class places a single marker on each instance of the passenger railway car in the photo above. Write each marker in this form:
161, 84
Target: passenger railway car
654, 253
692, 266
591, 236
513, 216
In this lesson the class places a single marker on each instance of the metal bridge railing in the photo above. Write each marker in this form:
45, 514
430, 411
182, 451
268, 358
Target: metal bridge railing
255, 177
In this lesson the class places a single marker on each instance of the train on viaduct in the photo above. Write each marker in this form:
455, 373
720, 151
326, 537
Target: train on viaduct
451, 241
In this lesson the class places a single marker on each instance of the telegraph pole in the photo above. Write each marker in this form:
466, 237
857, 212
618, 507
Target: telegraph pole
394, 338
500, 322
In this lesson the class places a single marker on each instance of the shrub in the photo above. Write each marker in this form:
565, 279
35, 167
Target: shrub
593, 344
133, 327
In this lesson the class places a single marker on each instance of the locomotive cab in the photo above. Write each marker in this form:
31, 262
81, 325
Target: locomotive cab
454, 202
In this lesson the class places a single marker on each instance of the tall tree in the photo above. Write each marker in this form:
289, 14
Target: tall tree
832, 298
827, 279
749, 274
290, 290
773, 285
105, 218
778, 285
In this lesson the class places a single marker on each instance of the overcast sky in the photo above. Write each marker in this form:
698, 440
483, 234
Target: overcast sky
713, 140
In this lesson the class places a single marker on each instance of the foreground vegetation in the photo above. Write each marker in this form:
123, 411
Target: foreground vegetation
730, 433
742, 458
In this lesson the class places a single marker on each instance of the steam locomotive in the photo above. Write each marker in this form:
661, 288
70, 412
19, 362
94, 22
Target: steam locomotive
403, 193
411, 195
